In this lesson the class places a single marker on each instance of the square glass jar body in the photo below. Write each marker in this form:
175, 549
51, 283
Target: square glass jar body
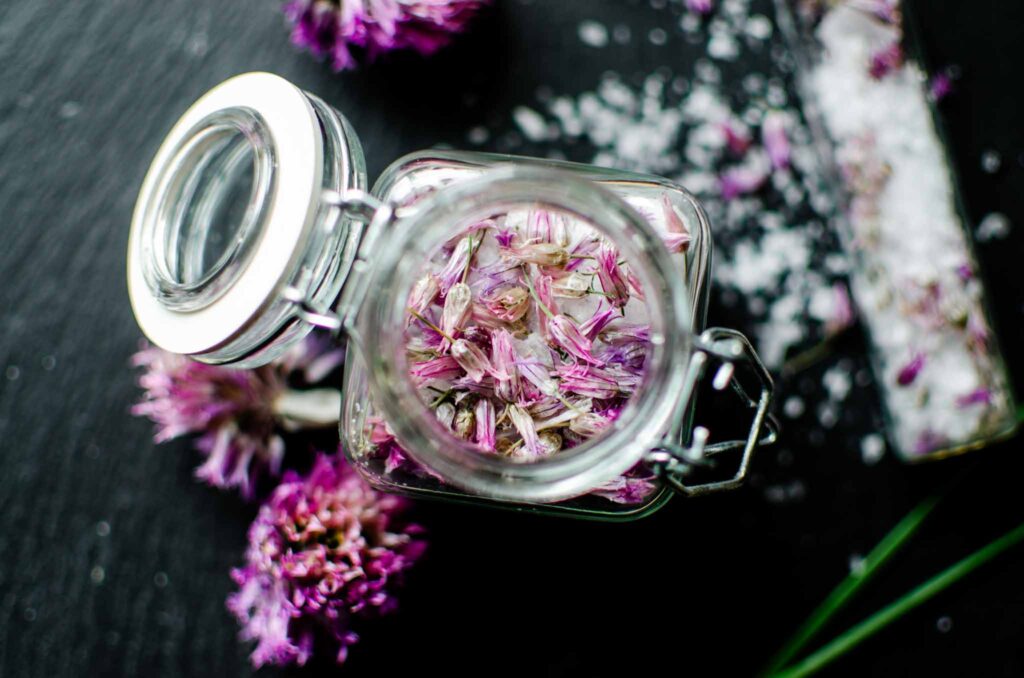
407, 184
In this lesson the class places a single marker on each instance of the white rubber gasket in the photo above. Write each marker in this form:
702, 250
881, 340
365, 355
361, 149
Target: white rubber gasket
297, 141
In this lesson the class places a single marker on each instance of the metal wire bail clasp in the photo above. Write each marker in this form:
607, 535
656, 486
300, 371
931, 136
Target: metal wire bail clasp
365, 216
675, 462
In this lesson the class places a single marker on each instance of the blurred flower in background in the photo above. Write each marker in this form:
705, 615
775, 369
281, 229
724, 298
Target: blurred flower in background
238, 414
347, 32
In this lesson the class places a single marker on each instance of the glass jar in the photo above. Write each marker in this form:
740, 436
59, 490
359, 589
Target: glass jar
254, 225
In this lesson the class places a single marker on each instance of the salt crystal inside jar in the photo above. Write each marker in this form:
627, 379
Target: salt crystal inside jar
520, 332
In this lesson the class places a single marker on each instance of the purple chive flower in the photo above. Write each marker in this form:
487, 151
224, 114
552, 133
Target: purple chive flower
568, 337
737, 137
503, 366
745, 178
677, 239
965, 272
457, 307
350, 31
940, 85
587, 382
596, 323
627, 490
842, 315
775, 140
908, 373
423, 294
443, 367
485, 426
886, 60
471, 358
543, 226
508, 304
539, 253
324, 551
527, 429
455, 268
702, 7
612, 281
979, 396
538, 375
238, 414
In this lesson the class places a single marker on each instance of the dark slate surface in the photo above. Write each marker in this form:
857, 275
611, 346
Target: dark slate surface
87, 91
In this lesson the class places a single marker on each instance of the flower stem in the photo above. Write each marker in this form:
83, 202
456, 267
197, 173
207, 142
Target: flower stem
841, 594
901, 606
431, 325
536, 297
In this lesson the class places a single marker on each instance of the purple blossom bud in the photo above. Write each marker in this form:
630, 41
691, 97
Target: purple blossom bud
940, 86
423, 294
567, 336
627, 490
465, 423
508, 304
445, 414
590, 424
979, 396
540, 253
597, 322
444, 367
842, 314
628, 333
471, 358
702, 7
549, 442
524, 424
587, 382
677, 239
744, 179
584, 248
543, 226
485, 431
635, 286
539, 375
572, 286
503, 366
737, 137
908, 373
613, 284
774, 139
456, 266
886, 60
457, 307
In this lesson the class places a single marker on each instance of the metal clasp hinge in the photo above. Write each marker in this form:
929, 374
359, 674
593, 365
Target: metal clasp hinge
674, 462
370, 215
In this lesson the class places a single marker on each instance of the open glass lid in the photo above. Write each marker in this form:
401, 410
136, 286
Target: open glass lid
231, 216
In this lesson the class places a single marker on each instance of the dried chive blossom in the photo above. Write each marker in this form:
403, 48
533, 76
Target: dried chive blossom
324, 551
238, 414
346, 32
528, 333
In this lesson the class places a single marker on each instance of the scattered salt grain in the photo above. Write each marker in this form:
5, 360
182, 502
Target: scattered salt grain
944, 624
70, 109
793, 407
593, 33
530, 122
858, 564
97, 575
102, 528
12, 372
478, 135
872, 447
991, 161
993, 225
657, 36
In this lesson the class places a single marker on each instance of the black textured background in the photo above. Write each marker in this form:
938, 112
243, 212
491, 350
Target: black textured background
87, 91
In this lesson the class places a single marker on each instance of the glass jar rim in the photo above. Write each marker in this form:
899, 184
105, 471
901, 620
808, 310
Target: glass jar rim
378, 335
